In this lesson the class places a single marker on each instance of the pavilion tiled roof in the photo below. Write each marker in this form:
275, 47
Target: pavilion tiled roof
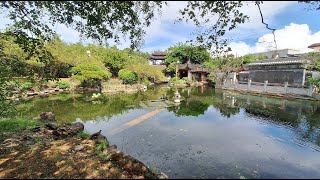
158, 55
192, 67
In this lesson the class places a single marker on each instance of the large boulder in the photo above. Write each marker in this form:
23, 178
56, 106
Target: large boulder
48, 116
66, 130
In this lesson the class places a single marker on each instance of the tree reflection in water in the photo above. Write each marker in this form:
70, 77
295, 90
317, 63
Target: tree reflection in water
303, 116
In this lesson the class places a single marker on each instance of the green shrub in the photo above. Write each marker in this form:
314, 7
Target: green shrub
26, 86
144, 71
12, 85
187, 80
174, 79
146, 82
83, 135
84, 72
127, 76
63, 85
100, 147
179, 81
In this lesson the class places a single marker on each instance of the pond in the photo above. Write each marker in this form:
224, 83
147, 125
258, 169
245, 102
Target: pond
211, 134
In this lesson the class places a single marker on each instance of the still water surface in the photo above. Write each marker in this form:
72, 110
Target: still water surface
211, 134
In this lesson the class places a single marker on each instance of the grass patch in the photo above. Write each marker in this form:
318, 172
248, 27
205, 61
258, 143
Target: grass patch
100, 147
83, 135
16, 125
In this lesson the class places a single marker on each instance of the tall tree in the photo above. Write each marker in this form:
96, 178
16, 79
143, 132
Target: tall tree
183, 53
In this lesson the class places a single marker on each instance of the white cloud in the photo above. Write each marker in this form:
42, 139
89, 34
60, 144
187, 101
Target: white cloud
159, 27
269, 9
293, 36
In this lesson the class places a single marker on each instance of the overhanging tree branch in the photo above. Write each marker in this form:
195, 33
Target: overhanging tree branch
267, 25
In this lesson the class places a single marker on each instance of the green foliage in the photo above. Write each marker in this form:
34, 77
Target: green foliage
67, 55
26, 85
179, 81
174, 79
210, 33
63, 84
100, 21
74, 54
87, 72
17, 125
147, 72
192, 108
225, 65
100, 146
315, 82
12, 85
146, 82
246, 59
186, 79
83, 135
314, 57
183, 53
128, 77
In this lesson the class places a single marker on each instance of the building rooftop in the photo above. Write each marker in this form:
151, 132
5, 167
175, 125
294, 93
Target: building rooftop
286, 60
158, 57
314, 45
192, 67
159, 53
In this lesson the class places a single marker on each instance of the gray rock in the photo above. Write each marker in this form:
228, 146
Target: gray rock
163, 176
79, 148
32, 93
52, 126
48, 116
67, 129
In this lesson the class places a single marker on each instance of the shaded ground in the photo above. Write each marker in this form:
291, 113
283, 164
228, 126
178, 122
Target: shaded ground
42, 153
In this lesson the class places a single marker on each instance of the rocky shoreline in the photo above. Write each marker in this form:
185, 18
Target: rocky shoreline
57, 151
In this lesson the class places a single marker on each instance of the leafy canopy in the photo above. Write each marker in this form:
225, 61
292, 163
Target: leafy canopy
99, 20
147, 72
183, 53
85, 72
128, 77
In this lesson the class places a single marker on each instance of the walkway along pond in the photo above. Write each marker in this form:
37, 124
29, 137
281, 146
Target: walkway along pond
212, 133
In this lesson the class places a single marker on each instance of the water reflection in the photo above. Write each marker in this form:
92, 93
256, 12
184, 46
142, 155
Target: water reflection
69, 107
302, 116
211, 134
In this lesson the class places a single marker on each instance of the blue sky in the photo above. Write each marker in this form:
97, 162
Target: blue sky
296, 28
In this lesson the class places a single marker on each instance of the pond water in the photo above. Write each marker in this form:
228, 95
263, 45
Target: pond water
211, 134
